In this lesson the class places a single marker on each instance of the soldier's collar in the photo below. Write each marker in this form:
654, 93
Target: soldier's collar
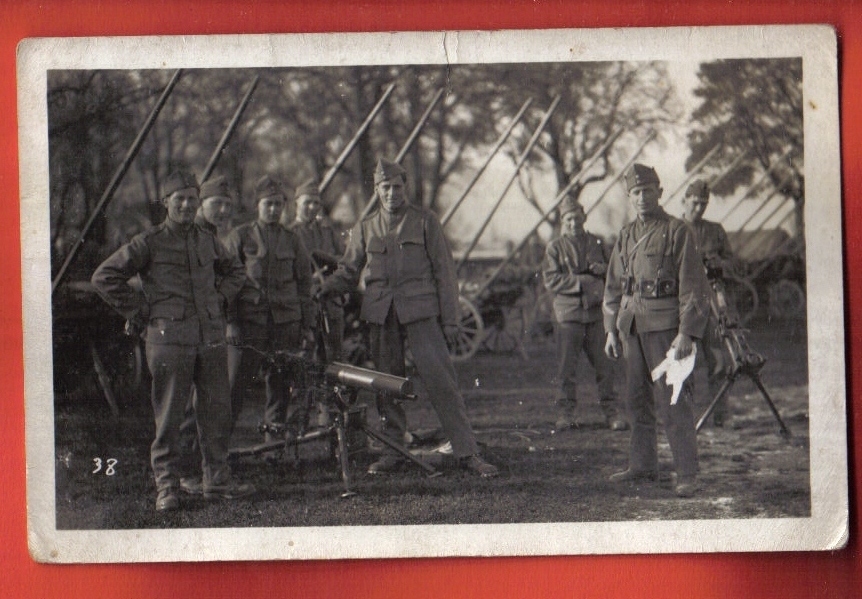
178, 228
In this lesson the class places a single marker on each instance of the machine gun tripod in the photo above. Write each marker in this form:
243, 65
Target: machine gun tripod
338, 386
744, 361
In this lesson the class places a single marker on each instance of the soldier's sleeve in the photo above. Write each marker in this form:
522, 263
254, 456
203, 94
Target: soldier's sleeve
613, 289
693, 286
443, 266
724, 244
232, 274
111, 277
233, 248
346, 277
556, 276
303, 274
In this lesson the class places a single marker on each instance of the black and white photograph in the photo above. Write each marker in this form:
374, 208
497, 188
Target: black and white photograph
432, 294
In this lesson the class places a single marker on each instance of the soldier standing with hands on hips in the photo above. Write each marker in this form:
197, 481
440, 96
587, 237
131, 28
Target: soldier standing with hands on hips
411, 294
574, 271
188, 278
656, 298
274, 311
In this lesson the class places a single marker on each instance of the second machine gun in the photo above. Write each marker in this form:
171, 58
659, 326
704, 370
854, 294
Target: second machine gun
336, 386
743, 360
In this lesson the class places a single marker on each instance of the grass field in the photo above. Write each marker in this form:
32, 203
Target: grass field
747, 469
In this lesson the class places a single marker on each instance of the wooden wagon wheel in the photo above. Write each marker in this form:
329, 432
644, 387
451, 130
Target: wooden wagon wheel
471, 331
786, 299
741, 297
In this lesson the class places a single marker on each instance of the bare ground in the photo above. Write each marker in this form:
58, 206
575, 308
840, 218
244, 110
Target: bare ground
747, 469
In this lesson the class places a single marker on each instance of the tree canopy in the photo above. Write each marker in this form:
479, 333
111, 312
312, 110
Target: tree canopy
300, 119
752, 107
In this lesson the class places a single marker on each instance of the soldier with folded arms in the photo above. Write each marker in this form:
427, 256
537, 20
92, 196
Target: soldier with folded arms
574, 271
188, 278
411, 294
656, 298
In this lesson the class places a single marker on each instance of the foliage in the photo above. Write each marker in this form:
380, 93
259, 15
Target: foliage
752, 106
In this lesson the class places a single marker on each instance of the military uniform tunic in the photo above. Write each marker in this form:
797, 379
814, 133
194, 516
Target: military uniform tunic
655, 288
188, 277
410, 290
578, 314
271, 308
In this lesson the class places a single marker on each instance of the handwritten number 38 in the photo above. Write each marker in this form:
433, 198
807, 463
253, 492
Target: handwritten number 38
109, 466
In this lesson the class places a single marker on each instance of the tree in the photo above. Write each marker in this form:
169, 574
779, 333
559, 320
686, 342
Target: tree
752, 106
596, 99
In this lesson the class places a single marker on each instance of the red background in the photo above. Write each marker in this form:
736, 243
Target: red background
733, 575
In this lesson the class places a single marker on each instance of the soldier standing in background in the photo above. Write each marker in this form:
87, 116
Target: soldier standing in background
714, 249
574, 270
656, 298
411, 294
274, 310
325, 247
188, 278
213, 216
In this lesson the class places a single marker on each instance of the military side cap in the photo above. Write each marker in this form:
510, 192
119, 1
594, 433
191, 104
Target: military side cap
266, 187
639, 174
177, 180
569, 204
215, 187
386, 169
310, 187
698, 188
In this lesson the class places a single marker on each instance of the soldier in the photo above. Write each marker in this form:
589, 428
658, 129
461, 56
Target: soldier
274, 310
187, 277
325, 247
213, 216
410, 294
574, 270
714, 249
656, 298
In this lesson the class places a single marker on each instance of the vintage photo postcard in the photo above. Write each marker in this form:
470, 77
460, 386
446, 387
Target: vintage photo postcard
432, 294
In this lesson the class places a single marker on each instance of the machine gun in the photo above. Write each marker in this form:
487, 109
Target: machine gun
742, 359
336, 386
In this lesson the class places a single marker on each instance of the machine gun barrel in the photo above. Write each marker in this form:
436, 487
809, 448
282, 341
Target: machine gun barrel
370, 380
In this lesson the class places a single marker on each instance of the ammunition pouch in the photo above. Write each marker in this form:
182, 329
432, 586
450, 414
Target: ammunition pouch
649, 288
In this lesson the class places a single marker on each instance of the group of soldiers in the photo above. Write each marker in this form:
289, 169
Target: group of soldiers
648, 302
211, 311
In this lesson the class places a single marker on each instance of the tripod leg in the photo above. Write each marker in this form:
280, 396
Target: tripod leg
725, 387
785, 432
400, 449
341, 436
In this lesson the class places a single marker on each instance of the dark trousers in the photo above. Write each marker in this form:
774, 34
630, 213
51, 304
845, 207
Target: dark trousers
190, 449
175, 368
333, 318
572, 338
643, 352
431, 357
711, 350
267, 339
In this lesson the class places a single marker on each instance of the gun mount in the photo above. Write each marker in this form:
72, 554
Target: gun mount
336, 386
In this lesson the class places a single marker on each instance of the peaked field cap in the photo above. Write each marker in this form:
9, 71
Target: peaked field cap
698, 188
640, 174
386, 169
267, 186
215, 187
310, 187
569, 204
177, 180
